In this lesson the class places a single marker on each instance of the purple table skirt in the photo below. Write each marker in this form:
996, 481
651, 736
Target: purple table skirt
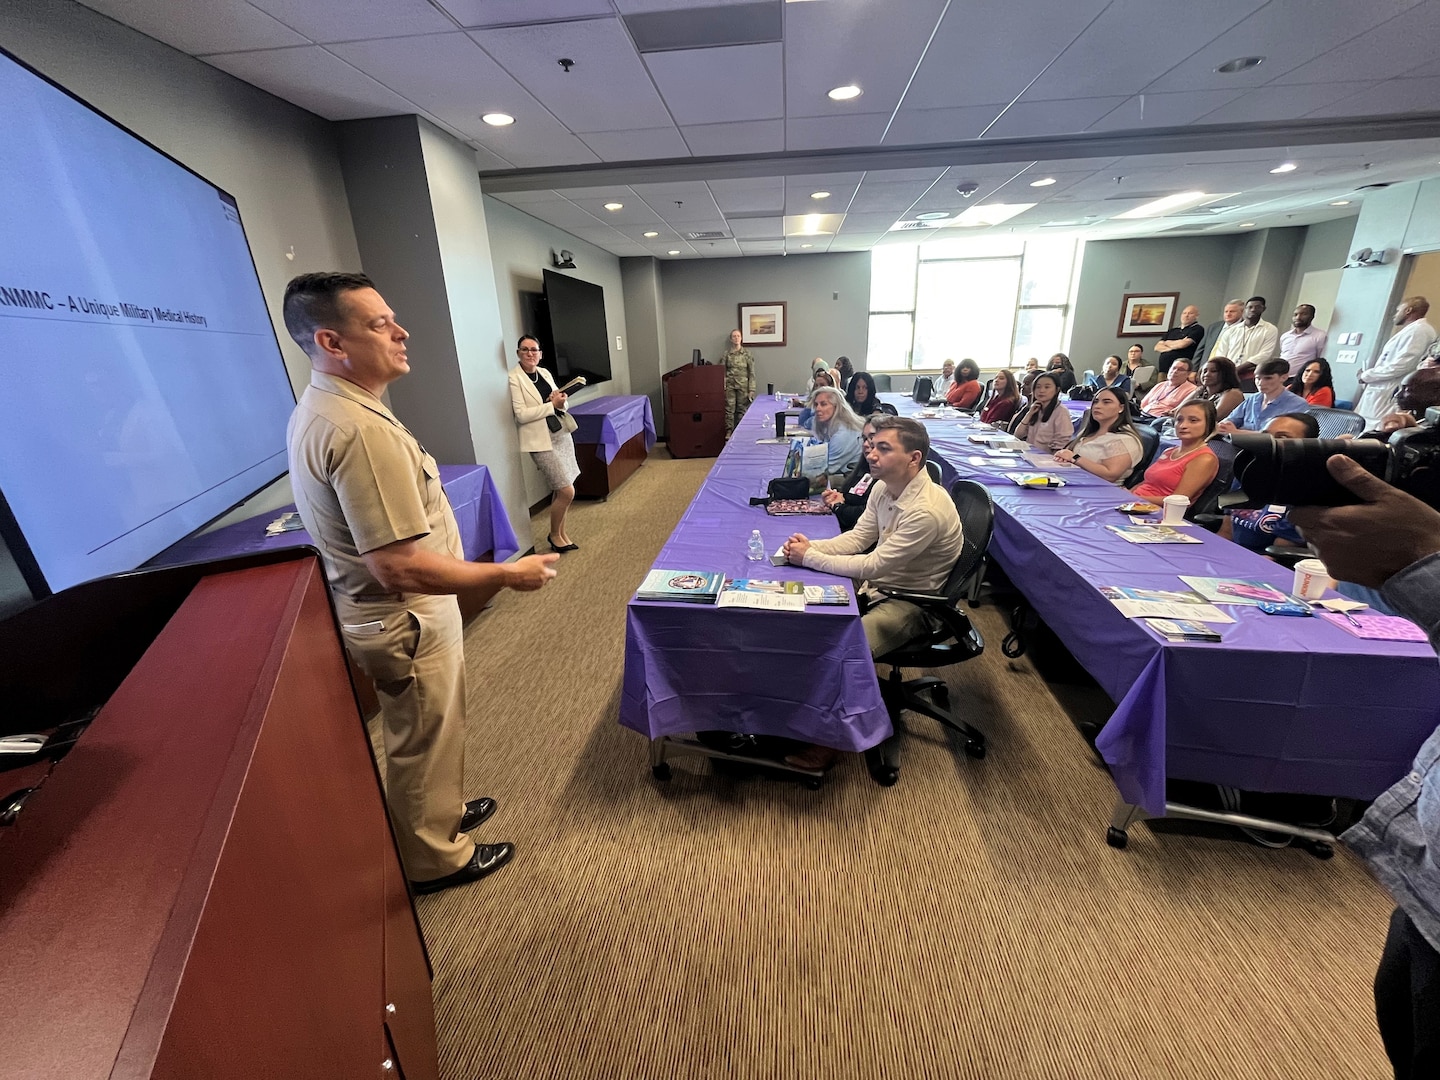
691, 667
484, 525
610, 422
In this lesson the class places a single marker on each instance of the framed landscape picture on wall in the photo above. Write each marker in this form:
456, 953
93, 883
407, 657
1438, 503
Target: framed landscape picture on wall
762, 323
1147, 314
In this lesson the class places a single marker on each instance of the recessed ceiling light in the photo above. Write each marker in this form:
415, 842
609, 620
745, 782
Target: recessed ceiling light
932, 215
613, 206
845, 93
1240, 63
1341, 202
674, 252
498, 119
651, 235
819, 194
1288, 166
1247, 224
1043, 183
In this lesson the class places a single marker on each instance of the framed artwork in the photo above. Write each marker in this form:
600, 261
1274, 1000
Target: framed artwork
1147, 314
762, 323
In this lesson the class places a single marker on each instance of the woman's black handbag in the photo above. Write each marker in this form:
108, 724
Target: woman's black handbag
1082, 393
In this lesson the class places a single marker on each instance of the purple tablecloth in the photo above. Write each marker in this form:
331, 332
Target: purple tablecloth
691, 667
1279, 704
484, 525
610, 422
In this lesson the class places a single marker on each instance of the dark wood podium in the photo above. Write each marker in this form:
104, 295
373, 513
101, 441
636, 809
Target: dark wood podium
695, 410
206, 885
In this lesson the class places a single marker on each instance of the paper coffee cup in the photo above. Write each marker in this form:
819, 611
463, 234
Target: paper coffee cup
1175, 507
1311, 579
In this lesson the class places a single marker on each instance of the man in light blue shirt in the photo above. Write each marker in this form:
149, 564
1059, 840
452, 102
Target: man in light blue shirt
1270, 400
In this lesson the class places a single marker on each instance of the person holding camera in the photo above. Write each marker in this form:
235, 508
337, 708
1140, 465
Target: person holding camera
1391, 541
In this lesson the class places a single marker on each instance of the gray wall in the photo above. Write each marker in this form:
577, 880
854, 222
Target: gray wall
828, 298
520, 249
1197, 267
1326, 247
279, 161
645, 315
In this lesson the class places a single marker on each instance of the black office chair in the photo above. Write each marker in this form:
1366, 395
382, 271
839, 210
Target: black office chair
1207, 504
953, 641
882, 383
921, 391
886, 408
1149, 447
933, 468
1336, 422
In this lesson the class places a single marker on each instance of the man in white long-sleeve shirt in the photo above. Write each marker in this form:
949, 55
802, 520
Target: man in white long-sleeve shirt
1400, 356
1252, 338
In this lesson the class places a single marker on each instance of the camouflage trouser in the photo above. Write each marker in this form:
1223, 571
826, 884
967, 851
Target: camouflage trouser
737, 400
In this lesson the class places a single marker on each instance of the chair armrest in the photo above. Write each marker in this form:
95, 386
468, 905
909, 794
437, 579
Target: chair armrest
925, 600
1209, 521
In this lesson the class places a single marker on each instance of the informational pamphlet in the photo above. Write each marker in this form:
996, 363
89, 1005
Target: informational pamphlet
1152, 534
1183, 629
1235, 590
768, 595
688, 586
1136, 603
827, 595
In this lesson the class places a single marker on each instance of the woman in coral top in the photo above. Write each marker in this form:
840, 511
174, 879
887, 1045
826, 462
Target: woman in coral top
1189, 468
966, 391
1004, 399
1315, 384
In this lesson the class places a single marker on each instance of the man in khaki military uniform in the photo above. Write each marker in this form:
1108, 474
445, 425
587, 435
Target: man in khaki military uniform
739, 381
371, 497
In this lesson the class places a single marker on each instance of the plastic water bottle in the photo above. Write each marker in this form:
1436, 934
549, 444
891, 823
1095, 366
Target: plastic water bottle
756, 548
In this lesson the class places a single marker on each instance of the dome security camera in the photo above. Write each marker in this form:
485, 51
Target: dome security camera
967, 188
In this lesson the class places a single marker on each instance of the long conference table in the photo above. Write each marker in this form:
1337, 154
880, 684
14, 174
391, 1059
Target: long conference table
1278, 705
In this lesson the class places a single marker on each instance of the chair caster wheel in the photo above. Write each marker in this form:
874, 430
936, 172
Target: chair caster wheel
1117, 838
661, 772
885, 777
975, 748
813, 783
1320, 849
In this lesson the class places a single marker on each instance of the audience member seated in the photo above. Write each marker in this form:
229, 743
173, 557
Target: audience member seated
1270, 401
1046, 424
816, 366
1004, 400
1108, 444
861, 395
807, 414
911, 523
1418, 391
945, 381
844, 371
847, 498
837, 426
1245, 372
1134, 361
1033, 364
1315, 384
1258, 529
1186, 469
965, 393
1220, 384
1170, 394
1109, 376
1062, 369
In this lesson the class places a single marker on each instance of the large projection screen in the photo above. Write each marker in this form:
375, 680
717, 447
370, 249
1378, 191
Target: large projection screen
141, 385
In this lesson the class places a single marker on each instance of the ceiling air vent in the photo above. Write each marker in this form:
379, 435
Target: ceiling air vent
911, 226
706, 236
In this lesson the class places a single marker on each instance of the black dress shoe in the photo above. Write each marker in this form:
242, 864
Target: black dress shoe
487, 858
560, 548
476, 811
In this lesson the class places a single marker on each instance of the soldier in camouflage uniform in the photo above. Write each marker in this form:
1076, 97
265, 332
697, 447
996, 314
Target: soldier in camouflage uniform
739, 381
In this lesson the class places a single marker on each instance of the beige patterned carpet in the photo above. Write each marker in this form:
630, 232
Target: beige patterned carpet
969, 922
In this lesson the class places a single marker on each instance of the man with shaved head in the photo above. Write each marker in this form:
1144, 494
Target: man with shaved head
1304, 341
1400, 356
1180, 342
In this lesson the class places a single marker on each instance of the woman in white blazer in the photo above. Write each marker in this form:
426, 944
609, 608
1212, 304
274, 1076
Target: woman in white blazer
545, 429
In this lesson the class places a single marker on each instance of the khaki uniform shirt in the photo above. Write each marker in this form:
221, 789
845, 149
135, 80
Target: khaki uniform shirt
361, 482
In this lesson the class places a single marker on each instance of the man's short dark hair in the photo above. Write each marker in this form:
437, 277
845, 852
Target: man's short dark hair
1311, 425
1273, 367
312, 302
1260, 298
911, 433
1308, 307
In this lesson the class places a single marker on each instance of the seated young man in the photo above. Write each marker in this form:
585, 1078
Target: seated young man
911, 523
1270, 401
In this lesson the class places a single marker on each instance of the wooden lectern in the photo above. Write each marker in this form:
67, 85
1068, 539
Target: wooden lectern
206, 885
695, 410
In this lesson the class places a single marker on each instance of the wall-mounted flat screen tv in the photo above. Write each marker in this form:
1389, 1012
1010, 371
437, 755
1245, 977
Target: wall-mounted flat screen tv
580, 341
143, 391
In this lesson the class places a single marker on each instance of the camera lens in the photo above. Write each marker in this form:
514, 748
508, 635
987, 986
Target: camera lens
1291, 472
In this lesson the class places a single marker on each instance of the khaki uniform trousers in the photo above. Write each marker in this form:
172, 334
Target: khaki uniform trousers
418, 664
891, 623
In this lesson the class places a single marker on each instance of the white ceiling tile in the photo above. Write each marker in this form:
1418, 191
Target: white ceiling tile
1027, 118
722, 140
216, 26
1156, 110
1394, 96
762, 247
445, 73
324, 21
992, 58
313, 79
636, 145
615, 192
873, 221
506, 12
608, 81
632, 212
834, 132
487, 161
599, 234
914, 127
1279, 102
717, 249
1389, 48
760, 228
634, 7
851, 41
1424, 70
564, 214
713, 86
885, 195
762, 193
